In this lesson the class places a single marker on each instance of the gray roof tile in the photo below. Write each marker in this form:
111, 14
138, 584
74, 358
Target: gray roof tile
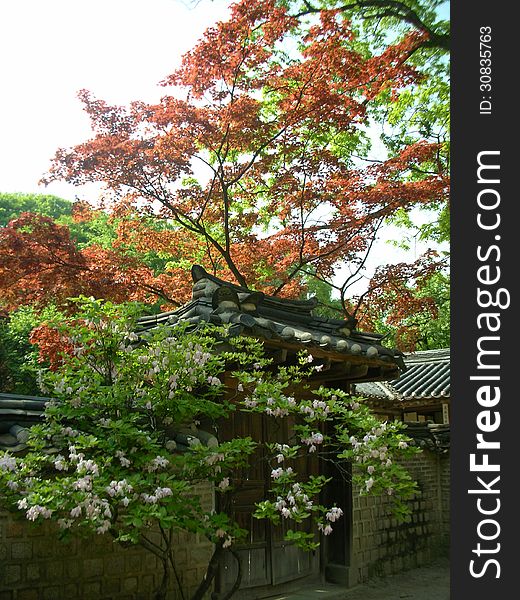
272, 318
427, 376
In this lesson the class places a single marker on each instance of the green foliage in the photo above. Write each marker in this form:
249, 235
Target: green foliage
99, 229
18, 357
12, 205
432, 333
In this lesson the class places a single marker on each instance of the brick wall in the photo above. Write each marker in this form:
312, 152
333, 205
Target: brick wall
35, 565
381, 545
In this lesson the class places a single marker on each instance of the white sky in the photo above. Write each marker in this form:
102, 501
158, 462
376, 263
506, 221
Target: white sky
50, 49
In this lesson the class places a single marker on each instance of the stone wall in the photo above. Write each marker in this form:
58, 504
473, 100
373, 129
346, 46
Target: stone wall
381, 545
35, 565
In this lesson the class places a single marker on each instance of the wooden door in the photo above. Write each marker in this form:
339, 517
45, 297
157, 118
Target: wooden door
266, 558
288, 562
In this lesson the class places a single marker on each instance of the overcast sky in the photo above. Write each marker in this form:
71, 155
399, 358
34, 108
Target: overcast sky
50, 49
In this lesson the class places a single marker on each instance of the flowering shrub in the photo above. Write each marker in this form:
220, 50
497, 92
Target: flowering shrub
105, 459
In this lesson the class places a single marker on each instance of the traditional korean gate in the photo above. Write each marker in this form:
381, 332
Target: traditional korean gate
266, 558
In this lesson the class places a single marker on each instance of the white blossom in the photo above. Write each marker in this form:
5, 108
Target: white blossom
118, 488
35, 511
325, 529
7, 463
103, 528
149, 498
84, 484
59, 463
87, 466
162, 492
65, 523
157, 463
334, 514
211, 459
122, 458
280, 503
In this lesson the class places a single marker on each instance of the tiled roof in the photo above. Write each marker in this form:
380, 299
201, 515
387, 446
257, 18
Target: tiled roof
427, 376
16, 414
282, 321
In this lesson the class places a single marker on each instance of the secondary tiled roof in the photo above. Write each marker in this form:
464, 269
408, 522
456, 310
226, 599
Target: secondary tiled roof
278, 320
18, 412
432, 436
427, 376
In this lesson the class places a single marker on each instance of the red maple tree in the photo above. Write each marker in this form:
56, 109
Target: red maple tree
248, 158
40, 262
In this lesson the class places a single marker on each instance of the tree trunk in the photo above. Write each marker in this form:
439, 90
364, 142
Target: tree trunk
163, 588
212, 571
238, 580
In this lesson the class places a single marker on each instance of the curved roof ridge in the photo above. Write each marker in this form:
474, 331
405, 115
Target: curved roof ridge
435, 355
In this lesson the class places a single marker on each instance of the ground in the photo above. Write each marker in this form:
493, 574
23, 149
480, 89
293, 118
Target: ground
424, 583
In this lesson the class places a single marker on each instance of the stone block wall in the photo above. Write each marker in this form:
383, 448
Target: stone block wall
36, 565
381, 545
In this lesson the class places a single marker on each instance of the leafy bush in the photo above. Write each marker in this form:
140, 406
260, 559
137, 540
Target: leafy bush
104, 460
